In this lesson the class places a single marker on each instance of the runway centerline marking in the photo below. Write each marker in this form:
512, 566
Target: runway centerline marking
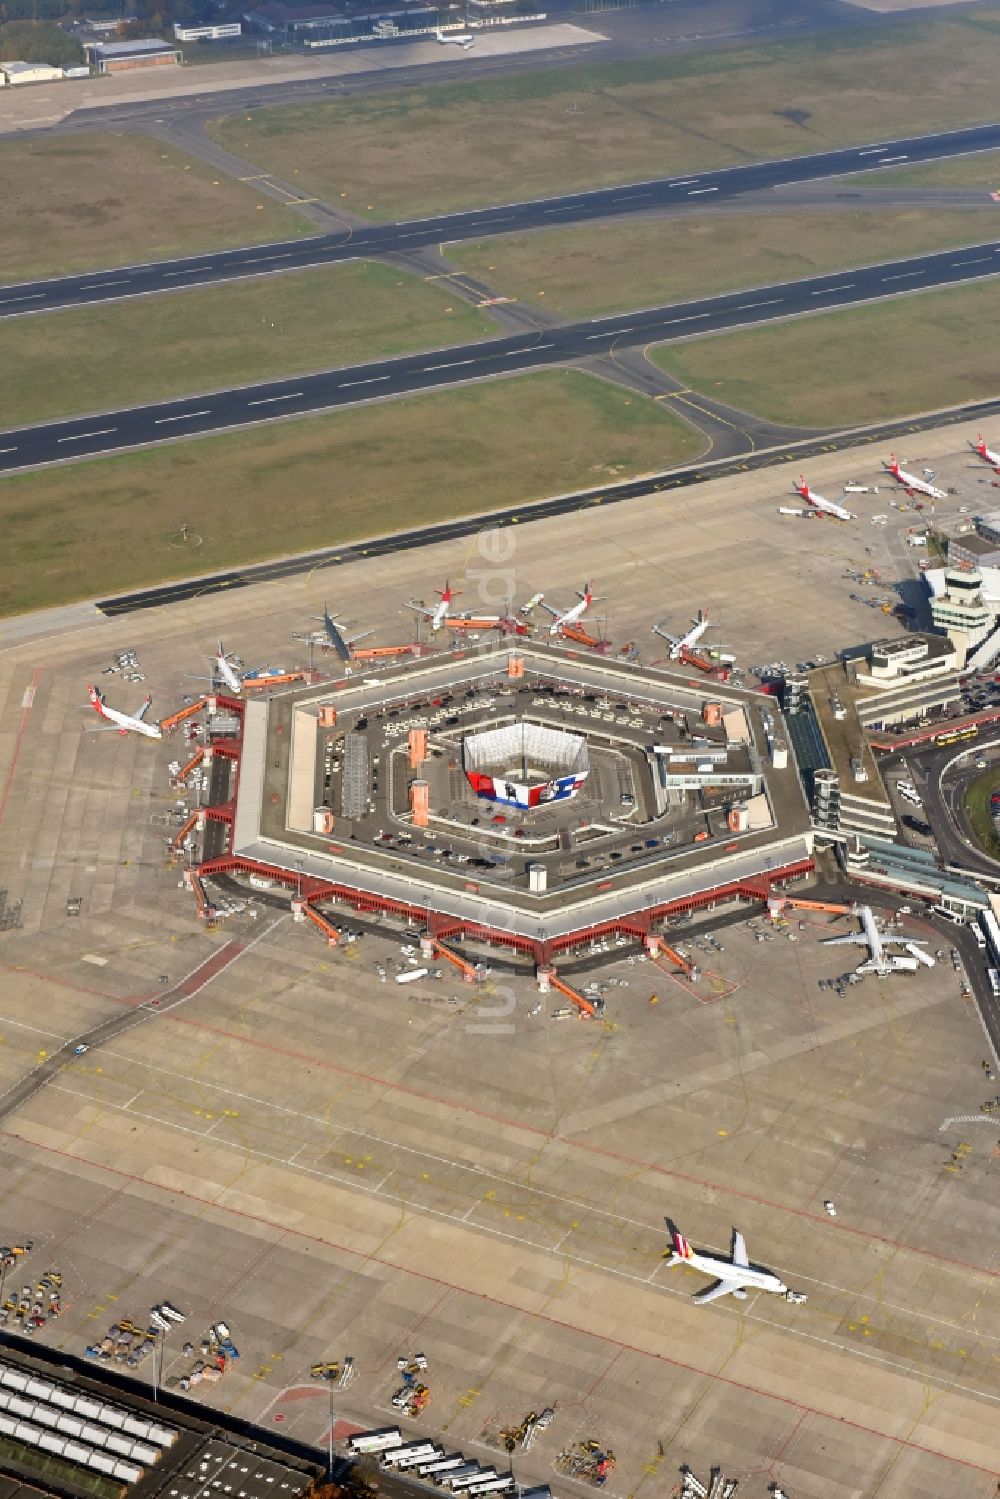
82, 436
694, 317
375, 380
826, 291
185, 416
269, 400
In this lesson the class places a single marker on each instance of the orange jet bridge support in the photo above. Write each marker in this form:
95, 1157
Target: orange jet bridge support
669, 952
191, 822
329, 932
465, 968
580, 635
582, 1004
384, 652
173, 719
278, 679
192, 764
205, 909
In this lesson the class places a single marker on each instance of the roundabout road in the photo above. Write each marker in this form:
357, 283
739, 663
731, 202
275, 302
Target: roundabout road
941, 792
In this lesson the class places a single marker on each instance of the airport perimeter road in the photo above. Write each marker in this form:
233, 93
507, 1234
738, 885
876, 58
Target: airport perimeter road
941, 776
511, 218
164, 421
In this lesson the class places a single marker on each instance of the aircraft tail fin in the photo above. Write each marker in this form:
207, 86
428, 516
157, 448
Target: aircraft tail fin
682, 1248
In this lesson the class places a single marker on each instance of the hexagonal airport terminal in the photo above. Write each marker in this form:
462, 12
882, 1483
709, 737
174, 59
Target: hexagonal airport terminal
530, 798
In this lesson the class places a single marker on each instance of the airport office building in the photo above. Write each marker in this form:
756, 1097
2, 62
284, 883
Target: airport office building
124, 57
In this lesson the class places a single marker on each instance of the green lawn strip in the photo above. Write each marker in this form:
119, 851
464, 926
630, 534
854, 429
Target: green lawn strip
895, 358
423, 150
126, 353
981, 169
977, 810
72, 202
587, 270
299, 485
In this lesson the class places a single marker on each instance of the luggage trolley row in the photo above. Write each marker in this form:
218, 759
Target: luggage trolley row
425, 1460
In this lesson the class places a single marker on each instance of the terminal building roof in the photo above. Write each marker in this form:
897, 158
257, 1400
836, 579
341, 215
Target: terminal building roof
607, 853
85, 1437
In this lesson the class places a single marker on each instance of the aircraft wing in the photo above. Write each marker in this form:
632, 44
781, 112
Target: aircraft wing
421, 609
144, 709
740, 1250
712, 1293
556, 613
856, 939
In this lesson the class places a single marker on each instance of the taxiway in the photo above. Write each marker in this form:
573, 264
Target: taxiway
705, 189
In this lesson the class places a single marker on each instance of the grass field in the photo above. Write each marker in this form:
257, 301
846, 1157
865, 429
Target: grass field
124, 353
415, 152
299, 485
75, 201
592, 269
918, 353
979, 170
977, 810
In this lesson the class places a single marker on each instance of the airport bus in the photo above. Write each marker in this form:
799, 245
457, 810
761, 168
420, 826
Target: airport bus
955, 736
991, 931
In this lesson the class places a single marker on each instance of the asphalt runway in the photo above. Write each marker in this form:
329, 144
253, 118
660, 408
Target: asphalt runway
298, 395
707, 188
